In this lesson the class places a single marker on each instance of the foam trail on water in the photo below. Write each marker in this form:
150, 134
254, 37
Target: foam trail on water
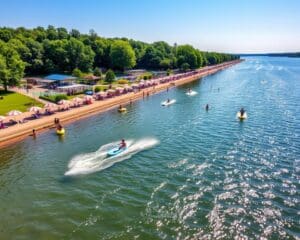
96, 161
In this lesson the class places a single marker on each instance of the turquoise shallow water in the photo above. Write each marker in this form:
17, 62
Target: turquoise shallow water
188, 174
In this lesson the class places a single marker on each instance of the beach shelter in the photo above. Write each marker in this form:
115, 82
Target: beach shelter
35, 109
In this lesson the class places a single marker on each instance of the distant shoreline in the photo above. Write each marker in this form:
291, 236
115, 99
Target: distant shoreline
291, 54
19, 132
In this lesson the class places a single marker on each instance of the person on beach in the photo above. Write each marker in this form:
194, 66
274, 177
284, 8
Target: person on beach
148, 94
207, 107
143, 94
56, 121
130, 101
120, 107
242, 112
122, 144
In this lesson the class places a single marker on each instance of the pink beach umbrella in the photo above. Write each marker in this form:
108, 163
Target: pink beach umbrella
35, 109
77, 100
101, 94
14, 113
120, 89
50, 105
88, 98
64, 102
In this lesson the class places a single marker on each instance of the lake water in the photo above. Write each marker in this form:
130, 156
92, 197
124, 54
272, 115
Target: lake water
187, 174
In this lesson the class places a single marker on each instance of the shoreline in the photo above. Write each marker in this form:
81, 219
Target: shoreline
19, 132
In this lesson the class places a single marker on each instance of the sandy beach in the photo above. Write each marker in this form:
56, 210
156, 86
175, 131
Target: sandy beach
18, 132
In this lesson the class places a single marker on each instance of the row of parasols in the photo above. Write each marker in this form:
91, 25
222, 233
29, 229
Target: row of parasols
49, 106
89, 99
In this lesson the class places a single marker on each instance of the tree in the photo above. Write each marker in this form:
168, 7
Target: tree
77, 73
35, 59
165, 63
151, 58
11, 66
79, 55
97, 72
62, 33
101, 47
40, 34
187, 54
55, 50
122, 55
75, 33
110, 76
6, 34
185, 66
51, 33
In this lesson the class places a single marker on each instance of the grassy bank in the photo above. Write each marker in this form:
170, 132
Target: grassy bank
15, 101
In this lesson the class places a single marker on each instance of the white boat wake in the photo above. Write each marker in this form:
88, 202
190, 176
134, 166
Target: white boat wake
97, 161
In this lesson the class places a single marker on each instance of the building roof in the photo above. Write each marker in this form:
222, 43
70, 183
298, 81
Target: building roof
74, 86
59, 77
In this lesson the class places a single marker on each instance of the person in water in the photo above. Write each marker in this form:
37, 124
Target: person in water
33, 133
242, 112
207, 107
168, 100
122, 144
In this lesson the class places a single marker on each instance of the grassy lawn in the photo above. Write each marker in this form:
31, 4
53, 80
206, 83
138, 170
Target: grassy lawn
16, 101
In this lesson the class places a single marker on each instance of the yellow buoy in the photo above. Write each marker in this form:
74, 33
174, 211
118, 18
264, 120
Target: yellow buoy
60, 132
122, 109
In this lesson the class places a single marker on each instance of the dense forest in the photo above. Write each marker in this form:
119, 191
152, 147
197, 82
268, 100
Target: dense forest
46, 50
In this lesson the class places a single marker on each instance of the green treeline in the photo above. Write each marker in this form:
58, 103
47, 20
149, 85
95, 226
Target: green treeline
47, 50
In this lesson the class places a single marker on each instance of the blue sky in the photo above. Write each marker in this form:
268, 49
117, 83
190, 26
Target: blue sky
212, 25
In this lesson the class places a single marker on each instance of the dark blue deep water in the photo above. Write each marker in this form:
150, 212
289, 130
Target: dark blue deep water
189, 174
